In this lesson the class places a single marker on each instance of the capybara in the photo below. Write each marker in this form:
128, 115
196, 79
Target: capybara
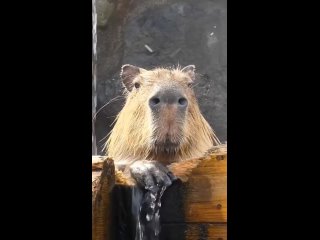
160, 123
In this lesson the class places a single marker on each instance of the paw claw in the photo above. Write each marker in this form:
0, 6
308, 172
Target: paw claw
151, 175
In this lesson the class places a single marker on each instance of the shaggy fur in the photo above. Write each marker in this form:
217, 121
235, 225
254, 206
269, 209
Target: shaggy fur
135, 131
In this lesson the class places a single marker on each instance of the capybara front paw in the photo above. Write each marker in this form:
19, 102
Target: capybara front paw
151, 174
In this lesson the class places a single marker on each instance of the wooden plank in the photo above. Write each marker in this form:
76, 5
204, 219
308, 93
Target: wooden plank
203, 231
205, 187
206, 231
198, 201
95, 175
101, 201
97, 162
206, 192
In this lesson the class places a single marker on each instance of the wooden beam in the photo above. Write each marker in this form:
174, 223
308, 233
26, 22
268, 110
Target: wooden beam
196, 205
102, 186
206, 191
189, 231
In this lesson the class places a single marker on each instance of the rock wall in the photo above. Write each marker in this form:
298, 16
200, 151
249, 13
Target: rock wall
178, 32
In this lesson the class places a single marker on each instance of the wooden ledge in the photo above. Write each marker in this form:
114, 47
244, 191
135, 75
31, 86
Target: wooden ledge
195, 205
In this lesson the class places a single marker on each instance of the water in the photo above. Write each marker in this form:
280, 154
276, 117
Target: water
146, 207
94, 74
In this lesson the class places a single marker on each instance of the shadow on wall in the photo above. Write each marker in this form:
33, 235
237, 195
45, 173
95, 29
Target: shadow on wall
176, 32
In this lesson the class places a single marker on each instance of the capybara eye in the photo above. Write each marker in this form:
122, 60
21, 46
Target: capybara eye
154, 101
136, 85
182, 101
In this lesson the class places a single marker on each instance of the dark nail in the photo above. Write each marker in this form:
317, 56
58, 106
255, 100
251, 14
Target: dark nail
172, 176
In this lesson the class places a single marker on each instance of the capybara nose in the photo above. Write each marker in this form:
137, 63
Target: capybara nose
168, 97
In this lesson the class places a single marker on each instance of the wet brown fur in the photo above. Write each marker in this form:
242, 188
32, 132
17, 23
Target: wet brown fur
134, 133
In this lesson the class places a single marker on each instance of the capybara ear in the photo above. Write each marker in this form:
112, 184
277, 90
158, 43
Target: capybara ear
127, 74
190, 70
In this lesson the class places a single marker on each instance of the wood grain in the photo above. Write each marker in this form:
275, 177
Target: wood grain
195, 208
101, 211
206, 191
203, 231
206, 231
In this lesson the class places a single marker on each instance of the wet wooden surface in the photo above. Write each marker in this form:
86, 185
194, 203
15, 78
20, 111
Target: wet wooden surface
102, 185
195, 206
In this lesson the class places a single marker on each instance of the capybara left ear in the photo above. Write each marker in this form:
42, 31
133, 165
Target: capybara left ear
128, 74
190, 70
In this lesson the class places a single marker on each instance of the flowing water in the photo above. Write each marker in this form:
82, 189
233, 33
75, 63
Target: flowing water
94, 74
146, 208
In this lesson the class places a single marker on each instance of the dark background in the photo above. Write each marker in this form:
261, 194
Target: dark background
179, 32
271, 185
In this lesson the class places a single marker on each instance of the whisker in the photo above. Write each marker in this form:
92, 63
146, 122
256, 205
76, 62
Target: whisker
111, 116
195, 85
105, 137
117, 98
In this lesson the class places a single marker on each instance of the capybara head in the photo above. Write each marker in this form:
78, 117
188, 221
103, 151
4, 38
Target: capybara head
161, 119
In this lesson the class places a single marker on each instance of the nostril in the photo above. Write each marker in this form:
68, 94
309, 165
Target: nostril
154, 101
182, 101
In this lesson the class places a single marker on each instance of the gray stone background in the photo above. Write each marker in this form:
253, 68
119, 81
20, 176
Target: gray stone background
178, 32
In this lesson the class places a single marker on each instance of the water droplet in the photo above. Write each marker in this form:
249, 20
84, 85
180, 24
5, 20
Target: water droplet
149, 217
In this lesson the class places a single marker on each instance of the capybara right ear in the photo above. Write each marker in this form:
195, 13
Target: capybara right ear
190, 70
127, 74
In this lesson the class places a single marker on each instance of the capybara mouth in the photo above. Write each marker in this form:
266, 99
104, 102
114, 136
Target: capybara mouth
167, 146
